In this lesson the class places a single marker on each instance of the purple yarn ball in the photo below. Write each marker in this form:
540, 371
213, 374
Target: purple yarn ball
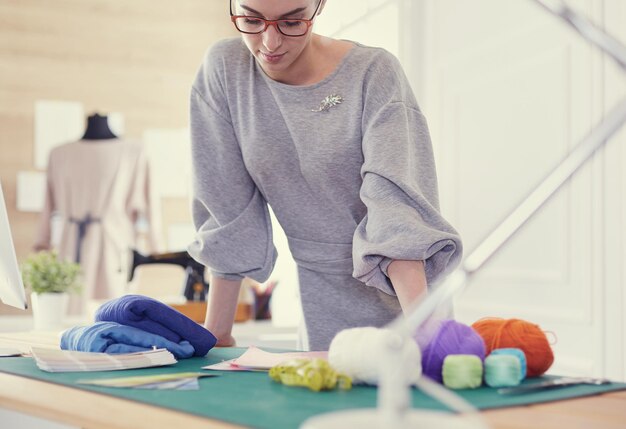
452, 338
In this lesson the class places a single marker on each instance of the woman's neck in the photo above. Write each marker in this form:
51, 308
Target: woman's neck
316, 62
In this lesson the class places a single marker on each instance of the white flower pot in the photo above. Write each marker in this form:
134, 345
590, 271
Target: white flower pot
49, 310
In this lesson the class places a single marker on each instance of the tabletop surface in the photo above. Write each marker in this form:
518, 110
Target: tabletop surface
267, 404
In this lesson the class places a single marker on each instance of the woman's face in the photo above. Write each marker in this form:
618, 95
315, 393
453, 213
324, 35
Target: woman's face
274, 51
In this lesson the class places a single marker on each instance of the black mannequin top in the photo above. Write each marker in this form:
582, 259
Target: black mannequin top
98, 128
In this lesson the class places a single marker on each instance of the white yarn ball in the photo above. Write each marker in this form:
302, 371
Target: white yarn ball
358, 353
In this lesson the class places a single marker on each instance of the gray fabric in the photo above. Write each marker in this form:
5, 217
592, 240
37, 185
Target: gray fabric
354, 187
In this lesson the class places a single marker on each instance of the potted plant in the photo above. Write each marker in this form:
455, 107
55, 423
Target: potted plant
50, 281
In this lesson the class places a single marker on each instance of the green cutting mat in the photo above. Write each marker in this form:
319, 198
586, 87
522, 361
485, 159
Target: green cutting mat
252, 399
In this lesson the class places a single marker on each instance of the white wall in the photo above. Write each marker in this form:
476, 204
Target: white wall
508, 91
613, 218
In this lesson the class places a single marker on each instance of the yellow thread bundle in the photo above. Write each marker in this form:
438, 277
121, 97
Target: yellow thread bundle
316, 374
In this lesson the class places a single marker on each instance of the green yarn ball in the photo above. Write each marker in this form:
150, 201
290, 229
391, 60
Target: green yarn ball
462, 371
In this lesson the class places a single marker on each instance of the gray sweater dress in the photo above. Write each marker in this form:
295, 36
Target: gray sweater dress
352, 184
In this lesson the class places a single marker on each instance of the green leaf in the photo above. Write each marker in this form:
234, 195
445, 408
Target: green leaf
44, 272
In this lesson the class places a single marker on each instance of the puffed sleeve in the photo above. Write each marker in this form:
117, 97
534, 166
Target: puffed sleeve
234, 232
399, 189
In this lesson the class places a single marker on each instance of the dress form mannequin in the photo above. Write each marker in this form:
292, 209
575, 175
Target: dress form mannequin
97, 187
98, 128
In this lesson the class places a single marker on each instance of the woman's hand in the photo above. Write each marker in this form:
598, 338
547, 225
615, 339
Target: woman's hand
221, 308
226, 341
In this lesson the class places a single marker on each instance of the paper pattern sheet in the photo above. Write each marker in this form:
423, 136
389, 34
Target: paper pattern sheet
255, 359
56, 123
117, 123
31, 191
179, 235
169, 152
175, 381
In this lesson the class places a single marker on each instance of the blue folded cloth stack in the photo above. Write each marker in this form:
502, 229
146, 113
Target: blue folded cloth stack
111, 337
150, 315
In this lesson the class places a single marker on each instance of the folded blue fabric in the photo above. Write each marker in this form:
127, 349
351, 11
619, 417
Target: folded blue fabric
153, 316
111, 337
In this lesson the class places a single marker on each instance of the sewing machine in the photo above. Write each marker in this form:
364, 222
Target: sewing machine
195, 287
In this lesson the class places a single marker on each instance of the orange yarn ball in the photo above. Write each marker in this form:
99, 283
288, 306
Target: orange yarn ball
517, 333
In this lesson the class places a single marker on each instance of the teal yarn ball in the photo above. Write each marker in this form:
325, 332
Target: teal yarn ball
502, 370
515, 352
462, 371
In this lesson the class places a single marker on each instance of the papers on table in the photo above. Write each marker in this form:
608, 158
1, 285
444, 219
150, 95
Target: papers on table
176, 381
255, 359
228, 365
52, 360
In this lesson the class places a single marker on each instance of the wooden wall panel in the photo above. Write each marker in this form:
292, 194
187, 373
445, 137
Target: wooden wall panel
135, 57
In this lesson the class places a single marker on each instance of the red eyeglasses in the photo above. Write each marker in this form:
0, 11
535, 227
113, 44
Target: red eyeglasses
256, 25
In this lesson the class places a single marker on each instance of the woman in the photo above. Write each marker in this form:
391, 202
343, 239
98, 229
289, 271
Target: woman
329, 134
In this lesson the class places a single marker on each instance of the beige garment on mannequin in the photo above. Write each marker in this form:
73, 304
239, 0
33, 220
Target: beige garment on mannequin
107, 180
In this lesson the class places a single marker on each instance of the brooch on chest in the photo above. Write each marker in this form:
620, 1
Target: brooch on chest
329, 101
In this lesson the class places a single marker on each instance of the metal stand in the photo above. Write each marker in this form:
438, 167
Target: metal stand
394, 392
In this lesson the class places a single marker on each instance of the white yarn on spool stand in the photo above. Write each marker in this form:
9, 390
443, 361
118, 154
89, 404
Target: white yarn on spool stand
357, 352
